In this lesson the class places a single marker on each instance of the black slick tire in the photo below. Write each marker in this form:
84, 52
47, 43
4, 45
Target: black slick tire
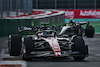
89, 31
79, 45
29, 47
79, 30
14, 44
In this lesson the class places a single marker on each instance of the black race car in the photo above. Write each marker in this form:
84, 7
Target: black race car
77, 29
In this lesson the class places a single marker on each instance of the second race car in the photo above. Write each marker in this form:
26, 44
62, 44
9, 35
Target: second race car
76, 28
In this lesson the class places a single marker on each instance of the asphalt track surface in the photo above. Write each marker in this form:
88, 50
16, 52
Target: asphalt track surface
92, 61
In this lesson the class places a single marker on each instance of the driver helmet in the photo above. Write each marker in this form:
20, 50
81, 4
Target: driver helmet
71, 23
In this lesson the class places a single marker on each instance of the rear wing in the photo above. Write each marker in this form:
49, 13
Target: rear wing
25, 29
81, 23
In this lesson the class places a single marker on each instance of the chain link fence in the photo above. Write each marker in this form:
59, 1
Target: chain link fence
12, 7
7, 6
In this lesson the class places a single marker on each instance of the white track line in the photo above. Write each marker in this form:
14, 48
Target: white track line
2, 54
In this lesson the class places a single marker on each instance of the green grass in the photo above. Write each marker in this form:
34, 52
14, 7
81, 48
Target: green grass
96, 25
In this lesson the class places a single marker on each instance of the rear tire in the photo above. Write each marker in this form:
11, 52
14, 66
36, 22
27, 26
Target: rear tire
89, 31
79, 45
14, 44
79, 30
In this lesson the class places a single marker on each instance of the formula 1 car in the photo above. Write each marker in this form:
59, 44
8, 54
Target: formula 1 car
77, 29
46, 43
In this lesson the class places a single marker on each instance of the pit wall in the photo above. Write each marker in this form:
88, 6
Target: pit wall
94, 22
10, 26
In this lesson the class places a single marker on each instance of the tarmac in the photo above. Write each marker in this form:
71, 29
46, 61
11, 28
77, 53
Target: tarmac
92, 61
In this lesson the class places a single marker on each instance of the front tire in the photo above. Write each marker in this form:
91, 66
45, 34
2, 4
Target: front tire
29, 47
79, 45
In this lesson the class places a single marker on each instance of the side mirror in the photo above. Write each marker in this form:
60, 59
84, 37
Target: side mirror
65, 36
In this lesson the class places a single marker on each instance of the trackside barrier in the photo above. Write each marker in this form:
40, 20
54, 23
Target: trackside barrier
10, 26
